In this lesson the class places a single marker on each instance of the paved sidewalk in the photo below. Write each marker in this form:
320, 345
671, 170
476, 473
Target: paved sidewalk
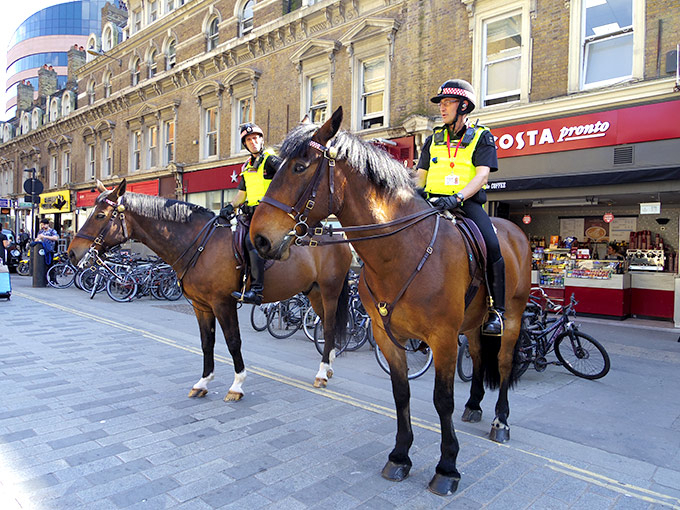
94, 415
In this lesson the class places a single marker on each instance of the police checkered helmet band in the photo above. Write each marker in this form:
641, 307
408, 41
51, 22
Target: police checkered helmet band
457, 89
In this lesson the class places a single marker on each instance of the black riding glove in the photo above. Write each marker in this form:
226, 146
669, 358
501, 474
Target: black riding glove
227, 211
447, 203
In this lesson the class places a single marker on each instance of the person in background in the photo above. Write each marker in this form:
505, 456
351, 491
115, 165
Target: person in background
4, 244
23, 239
613, 252
48, 237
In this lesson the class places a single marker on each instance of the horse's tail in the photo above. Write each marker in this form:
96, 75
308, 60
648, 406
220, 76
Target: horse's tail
490, 347
342, 312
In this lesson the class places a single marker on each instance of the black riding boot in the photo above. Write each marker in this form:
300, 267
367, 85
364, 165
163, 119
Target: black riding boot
254, 294
494, 322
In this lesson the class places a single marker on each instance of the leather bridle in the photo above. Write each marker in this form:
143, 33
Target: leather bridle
117, 212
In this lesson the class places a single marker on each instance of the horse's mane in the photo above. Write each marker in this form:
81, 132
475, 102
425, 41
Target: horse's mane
160, 208
366, 159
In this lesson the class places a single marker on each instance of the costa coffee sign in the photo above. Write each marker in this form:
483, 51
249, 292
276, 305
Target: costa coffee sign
615, 127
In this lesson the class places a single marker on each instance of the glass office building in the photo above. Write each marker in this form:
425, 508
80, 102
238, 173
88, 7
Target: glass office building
45, 38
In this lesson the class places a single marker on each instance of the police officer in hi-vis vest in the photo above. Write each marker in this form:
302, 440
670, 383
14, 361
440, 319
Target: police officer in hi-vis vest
454, 166
256, 175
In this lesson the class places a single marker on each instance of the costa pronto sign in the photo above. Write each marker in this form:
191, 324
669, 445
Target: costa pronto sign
615, 127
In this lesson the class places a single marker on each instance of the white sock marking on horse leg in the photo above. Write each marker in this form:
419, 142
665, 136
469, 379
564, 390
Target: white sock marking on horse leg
239, 379
323, 371
202, 383
498, 424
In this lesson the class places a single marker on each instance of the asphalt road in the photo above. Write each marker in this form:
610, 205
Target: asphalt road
95, 414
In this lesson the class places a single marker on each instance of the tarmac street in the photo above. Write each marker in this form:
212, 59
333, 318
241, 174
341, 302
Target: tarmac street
94, 415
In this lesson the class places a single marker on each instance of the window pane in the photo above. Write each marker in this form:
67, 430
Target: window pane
374, 75
503, 38
373, 103
607, 16
609, 59
244, 111
319, 90
503, 77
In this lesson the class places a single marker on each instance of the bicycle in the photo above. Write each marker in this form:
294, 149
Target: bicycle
576, 351
418, 358
464, 363
61, 275
259, 315
286, 317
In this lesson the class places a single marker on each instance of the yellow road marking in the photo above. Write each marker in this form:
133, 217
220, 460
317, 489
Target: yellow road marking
561, 467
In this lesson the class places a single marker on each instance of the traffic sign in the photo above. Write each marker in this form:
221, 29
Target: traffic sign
35, 199
34, 186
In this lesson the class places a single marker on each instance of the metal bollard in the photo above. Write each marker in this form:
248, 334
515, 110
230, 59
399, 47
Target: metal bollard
38, 265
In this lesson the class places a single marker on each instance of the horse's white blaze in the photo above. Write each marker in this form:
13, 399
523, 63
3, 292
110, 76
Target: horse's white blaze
239, 379
323, 370
202, 383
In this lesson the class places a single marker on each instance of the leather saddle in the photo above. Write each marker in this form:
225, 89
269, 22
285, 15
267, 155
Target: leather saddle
239, 245
476, 249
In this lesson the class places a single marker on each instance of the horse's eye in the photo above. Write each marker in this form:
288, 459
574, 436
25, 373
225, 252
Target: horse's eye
299, 168
101, 216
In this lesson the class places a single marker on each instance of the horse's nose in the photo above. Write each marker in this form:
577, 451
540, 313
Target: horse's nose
262, 244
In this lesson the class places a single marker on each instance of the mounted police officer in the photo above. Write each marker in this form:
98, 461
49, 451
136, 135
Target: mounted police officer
256, 175
453, 168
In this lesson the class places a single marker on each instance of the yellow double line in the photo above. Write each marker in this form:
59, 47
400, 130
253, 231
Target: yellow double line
560, 467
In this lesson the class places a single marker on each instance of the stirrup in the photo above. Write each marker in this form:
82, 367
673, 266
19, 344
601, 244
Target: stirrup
489, 320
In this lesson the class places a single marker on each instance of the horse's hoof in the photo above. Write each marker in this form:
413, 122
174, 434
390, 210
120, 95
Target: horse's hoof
395, 472
233, 396
329, 373
500, 434
442, 485
197, 392
320, 383
472, 415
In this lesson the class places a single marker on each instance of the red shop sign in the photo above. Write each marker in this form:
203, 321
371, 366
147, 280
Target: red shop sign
608, 217
527, 219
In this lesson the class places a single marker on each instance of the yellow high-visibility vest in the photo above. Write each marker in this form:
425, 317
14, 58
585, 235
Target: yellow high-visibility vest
256, 184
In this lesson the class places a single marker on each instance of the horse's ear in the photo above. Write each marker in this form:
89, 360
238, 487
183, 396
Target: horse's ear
100, 186
305, 120
118, 191
330, 127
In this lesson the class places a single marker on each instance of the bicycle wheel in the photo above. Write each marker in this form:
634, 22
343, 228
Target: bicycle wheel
582, 355
285, 318
418, 358
464, 365
121, 290
24, 268
524, 353
258, 317
320, 341
357, 334
309, 322
61, 276
171, 288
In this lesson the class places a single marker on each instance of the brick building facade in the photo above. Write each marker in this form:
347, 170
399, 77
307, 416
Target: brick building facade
162, 104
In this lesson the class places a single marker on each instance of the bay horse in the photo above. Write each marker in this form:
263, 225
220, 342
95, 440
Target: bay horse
330, 171
176, 232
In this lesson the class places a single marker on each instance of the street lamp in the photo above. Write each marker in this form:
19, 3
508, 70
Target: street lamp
97, 53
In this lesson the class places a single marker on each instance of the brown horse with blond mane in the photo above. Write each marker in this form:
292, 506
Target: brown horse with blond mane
198, 245
414, 279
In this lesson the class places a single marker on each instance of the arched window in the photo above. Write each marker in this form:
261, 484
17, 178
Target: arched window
213, 34
152, 64
247, 18
90, 92
107, 84
107, 38
136, 71
171, 59
55, 108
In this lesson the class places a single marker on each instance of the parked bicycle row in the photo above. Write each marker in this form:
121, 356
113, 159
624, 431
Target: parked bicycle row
123, 277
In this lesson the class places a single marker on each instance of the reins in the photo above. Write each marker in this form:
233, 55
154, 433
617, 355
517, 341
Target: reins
207, 231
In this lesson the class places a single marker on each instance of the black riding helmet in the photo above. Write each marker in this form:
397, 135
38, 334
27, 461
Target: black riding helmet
460, 89
248, 129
